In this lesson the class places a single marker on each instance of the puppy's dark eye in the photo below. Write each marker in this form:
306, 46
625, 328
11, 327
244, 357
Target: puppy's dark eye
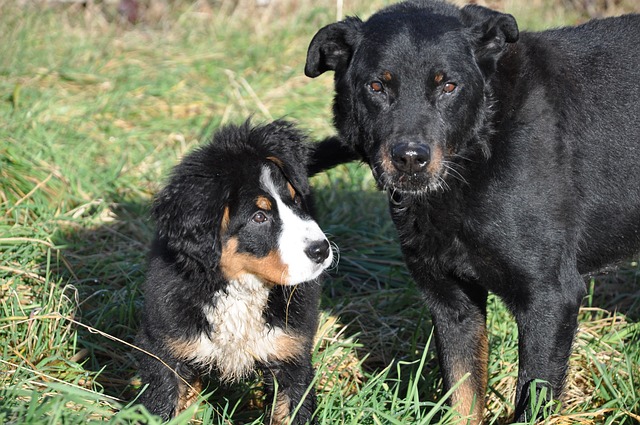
376, 87
297, 200
449, 87
259, 217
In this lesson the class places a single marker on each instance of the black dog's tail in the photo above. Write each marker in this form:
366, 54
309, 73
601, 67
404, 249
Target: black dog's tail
329, 153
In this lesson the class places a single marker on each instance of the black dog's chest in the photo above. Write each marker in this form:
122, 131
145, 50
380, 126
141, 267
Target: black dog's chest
440, 239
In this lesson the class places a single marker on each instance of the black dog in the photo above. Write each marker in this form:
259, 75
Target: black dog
511, 162
231, 280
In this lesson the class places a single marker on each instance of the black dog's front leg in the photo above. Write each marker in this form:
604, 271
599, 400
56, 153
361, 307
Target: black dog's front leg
546, 326
459, 315
289, 383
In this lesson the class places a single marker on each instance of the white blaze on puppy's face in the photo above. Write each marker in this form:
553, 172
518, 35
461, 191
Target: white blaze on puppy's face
297, 234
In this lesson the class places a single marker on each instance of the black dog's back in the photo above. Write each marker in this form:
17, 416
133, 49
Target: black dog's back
584, 83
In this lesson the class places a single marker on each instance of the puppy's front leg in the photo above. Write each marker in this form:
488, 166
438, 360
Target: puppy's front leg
169, 388
546, 324
294, 379
459, 316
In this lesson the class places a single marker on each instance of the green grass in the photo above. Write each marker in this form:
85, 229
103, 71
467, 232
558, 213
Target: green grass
93, 114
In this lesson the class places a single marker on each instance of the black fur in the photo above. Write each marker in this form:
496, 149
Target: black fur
511, 162
185, 272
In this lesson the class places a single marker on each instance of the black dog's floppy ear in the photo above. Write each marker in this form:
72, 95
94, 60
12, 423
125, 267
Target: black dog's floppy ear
189, 213
331, 48
491, 31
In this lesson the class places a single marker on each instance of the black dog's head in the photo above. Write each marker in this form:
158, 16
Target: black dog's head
412, 93
240, 206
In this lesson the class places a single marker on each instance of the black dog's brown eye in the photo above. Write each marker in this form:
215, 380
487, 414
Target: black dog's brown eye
297, 199
259, 217
449, 87
376, 86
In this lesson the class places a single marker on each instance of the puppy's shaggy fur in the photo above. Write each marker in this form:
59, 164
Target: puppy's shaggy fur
231, 285
511, 163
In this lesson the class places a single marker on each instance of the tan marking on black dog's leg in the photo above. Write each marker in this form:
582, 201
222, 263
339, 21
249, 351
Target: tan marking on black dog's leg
461, 339
469, 397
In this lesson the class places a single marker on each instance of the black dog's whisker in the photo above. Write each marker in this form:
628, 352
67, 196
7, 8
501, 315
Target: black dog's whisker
449, 166
465, 158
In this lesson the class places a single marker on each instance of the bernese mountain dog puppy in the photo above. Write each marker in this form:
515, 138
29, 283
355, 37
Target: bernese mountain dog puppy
232, 286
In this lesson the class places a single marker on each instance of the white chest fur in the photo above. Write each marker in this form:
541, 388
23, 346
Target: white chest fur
240, 335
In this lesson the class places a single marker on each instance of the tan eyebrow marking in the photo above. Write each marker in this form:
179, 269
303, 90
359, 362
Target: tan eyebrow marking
276, 161
225, 220
263, 203
292, 191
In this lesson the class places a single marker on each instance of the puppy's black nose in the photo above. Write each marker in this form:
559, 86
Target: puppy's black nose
410, 158
318, 251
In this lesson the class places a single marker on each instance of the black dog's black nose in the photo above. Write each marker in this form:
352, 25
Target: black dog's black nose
410, 158
318, 251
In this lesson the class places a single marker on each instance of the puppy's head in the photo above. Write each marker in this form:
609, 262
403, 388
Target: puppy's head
412, 87
241, 206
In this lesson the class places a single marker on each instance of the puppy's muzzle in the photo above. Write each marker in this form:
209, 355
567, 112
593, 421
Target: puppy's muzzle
410, 158
318, 251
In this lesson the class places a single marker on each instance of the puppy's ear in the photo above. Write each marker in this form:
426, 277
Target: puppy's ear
490, 32
332, 47
189, 213
288, 149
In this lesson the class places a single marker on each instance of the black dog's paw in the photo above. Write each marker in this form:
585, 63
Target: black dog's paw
536, 403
